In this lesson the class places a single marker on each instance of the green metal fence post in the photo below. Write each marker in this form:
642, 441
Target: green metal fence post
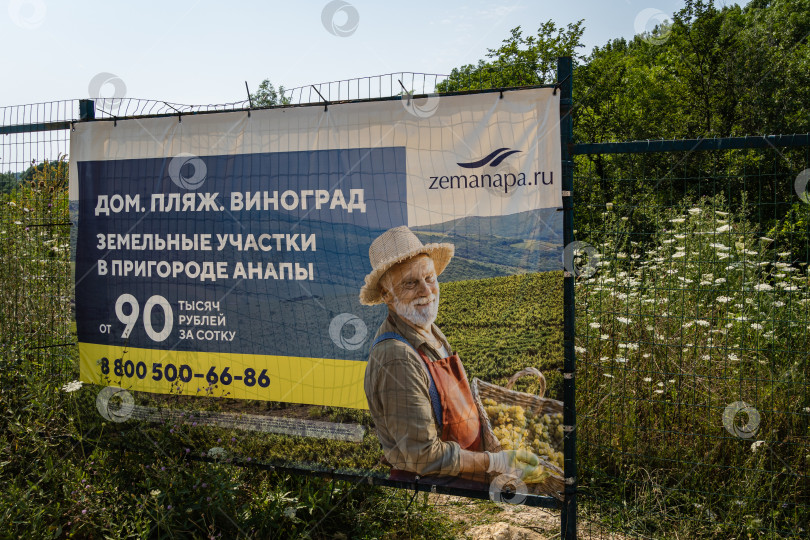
568, 516
87, 109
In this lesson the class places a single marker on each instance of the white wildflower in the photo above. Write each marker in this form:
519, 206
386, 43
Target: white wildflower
659, 384
719, 213
763, 287
756, 326
646, 355
703, 323
784, 254
595, 325
677, 220
756, 444
678, 254
217, 452
608, 375
724, 228
719, 281
705, 357
72, 386
621, 360
723, 299
647, 379
778, 303
733, 357
580, 350
624, 320
721, 247
694, 211
154, 492
659, 391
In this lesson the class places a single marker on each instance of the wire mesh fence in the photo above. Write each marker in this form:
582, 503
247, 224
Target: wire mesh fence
693, 321
693, 337
35, 243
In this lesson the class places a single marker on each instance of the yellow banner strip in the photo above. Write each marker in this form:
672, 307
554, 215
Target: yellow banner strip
291, 379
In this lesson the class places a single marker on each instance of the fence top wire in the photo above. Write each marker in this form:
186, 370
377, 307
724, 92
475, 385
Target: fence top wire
371, 87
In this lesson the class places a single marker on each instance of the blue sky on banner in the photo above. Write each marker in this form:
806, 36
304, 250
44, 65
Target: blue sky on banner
201, 51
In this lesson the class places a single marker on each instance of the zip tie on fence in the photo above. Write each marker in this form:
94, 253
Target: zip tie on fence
570, 480
559, 85
569, 428
568, 375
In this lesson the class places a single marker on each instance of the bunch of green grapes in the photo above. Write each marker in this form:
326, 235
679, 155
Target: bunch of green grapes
541, 434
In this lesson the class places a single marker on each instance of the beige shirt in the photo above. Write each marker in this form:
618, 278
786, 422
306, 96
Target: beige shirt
396, 385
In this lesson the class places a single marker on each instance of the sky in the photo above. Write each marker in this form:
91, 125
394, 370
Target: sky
202, 52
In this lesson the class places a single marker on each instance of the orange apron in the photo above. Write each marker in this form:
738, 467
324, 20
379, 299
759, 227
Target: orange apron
451, 399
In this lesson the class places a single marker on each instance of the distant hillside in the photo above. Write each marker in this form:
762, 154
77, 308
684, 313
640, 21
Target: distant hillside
544, 224
501, 245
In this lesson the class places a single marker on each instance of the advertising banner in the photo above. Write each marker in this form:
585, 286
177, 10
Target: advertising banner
378, 270
229, 249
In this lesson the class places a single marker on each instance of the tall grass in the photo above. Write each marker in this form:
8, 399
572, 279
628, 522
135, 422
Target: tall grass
65, 472
703, 317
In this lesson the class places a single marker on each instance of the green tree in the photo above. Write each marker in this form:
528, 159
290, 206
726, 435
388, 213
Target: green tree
8, 182
268, 96
519, 61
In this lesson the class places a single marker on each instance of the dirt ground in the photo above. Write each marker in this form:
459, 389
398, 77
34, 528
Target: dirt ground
485, 520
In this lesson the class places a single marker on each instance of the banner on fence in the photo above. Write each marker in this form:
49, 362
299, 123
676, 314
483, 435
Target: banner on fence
223, 254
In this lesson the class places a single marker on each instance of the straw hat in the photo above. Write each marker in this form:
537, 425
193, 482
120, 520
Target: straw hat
395, 246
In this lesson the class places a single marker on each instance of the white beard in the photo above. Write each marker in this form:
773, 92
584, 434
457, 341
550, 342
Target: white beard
423, 317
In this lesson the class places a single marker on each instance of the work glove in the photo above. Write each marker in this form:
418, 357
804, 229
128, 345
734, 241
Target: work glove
519, 463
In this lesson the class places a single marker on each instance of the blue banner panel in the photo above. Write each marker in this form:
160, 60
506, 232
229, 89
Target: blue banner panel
244, 254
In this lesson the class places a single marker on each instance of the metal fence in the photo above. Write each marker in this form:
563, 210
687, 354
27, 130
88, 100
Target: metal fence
693, 337
692, 312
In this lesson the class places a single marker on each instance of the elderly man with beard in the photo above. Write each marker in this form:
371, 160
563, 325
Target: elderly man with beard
416, 387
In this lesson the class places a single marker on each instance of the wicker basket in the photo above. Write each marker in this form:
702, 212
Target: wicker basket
536, 404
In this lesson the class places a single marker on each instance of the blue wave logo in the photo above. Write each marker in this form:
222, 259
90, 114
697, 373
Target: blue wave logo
494, 159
